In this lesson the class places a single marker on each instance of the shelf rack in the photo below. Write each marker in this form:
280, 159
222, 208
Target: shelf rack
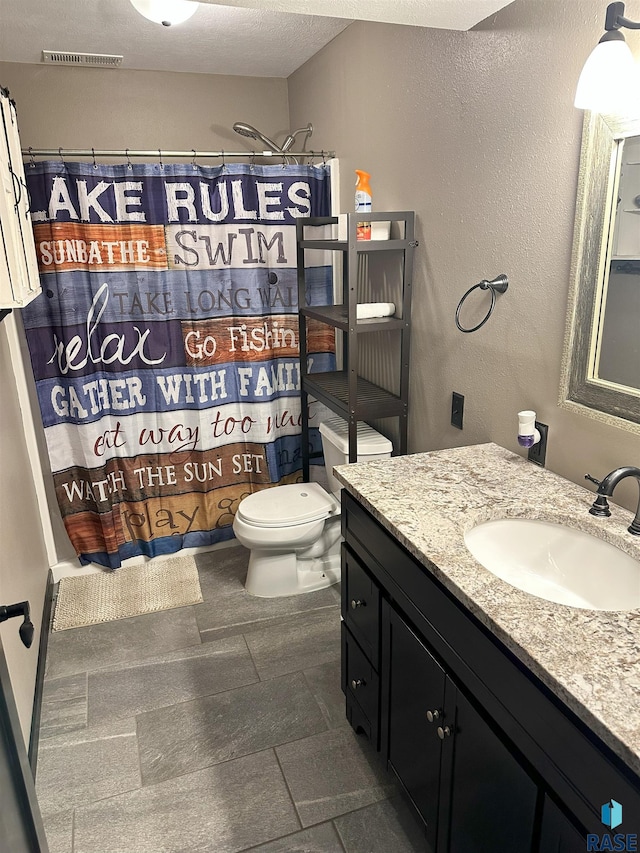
345, 391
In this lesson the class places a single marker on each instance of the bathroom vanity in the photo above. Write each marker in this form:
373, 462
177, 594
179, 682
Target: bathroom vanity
507, 719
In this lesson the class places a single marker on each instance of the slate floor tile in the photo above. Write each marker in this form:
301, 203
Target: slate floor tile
382, 827
170, 678
79, 767
64, 705
123, 641
221, 809
303, 641
332, 773
206, 732
324, 683
228, 608
319, 839
59, 831
213, 729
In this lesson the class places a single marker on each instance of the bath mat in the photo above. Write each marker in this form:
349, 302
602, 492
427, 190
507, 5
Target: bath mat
129, 591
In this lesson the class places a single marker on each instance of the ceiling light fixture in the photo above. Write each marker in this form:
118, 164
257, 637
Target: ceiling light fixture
609, 79
166, 12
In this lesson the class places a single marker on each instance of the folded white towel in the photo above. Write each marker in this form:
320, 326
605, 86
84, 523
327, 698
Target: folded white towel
375, 309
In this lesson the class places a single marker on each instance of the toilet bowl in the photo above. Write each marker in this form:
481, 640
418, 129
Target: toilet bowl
293, 531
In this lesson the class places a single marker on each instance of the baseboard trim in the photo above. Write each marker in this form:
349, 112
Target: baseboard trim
45, 627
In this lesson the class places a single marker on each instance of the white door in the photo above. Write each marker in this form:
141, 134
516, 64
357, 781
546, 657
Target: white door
21, 829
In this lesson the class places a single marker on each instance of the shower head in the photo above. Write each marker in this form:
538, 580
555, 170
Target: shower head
250, 131
288, 143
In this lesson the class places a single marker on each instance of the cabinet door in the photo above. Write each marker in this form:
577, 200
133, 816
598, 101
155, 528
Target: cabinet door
416, 686
488, 800
559, 835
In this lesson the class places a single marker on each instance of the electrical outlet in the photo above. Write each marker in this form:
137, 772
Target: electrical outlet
538, 452
457, 410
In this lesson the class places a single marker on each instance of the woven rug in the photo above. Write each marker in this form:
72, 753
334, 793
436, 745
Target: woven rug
128, 591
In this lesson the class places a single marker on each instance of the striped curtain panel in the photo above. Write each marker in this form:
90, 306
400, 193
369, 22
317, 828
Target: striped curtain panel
164, 344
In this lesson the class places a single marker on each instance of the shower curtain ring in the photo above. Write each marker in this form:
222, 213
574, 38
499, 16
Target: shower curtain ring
95, 165
129, 166
160, 158
224, 165
252, 165
194, 165
284, 161
324, 159
61, 157
32, 162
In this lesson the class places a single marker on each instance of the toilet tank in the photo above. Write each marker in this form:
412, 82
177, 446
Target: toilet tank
335, 446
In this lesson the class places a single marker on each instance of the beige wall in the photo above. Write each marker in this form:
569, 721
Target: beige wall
114, 108
477, 132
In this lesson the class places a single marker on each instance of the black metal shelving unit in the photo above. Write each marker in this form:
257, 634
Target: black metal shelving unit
344, 391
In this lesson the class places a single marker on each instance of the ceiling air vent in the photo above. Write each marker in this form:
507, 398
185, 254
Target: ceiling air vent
64, 57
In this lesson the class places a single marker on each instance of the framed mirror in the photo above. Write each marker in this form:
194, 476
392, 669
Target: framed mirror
601, 364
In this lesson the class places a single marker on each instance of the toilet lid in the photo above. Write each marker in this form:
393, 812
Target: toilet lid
293, 504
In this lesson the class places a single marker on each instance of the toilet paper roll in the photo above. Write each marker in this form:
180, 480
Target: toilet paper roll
375, 309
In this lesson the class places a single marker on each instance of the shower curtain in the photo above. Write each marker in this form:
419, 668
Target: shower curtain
164, 344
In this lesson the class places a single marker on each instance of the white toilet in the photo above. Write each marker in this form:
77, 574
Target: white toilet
293, 531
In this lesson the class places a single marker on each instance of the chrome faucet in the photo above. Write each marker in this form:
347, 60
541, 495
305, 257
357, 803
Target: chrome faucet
600, 506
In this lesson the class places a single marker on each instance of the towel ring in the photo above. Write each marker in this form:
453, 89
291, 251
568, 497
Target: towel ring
497, 285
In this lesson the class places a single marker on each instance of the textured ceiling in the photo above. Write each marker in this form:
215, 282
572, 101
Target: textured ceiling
442, 14
264, 38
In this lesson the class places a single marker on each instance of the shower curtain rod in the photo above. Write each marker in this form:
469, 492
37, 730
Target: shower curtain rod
99, 152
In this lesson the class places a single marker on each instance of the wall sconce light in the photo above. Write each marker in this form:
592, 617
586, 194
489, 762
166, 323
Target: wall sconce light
166, 12
609, 79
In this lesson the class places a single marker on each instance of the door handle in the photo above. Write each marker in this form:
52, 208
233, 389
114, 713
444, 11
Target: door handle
26, 630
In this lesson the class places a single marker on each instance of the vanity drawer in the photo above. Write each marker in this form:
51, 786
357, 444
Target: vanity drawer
361, 605
361, 687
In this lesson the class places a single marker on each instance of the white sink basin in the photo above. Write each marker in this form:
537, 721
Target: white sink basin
557, 563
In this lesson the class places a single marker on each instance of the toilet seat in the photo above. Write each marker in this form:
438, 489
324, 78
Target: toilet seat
291, 505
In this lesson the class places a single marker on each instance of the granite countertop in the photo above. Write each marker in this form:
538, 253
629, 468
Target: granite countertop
590, 659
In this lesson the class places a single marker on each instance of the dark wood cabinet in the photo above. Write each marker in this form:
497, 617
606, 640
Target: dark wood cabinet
361, 605
360, 647
456, 770
489, 758
415, 684
488, 800
558, 834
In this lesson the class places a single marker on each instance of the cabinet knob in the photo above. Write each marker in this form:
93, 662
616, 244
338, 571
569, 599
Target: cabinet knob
444, 732
357, 602
358, 682
433, 715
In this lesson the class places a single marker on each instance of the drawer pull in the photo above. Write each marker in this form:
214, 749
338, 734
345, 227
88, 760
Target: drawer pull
357, 602
444, 732
433, 715
358, 682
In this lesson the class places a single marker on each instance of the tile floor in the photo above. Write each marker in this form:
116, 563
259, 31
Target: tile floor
212, 729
